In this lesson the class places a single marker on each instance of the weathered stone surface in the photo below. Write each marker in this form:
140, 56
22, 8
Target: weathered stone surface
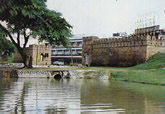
37, 55
128, 51
90, 74
21, 73
12, 65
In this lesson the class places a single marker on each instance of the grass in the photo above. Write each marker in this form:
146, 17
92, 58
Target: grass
155, 62
3, 62
156, 77
151, 72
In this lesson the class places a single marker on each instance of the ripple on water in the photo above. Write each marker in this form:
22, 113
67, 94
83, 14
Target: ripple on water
80, 97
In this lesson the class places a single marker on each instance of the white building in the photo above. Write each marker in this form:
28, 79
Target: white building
68, 55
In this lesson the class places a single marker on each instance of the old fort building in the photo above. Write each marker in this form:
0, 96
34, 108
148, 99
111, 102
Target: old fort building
125, 51
36, 55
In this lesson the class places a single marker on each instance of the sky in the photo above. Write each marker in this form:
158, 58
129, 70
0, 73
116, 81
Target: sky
104, 17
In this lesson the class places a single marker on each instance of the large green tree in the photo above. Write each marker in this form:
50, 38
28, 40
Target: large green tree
30, 19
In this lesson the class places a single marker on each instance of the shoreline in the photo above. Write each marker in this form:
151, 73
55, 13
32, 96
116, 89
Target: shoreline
143, 76
127, 74
130, 74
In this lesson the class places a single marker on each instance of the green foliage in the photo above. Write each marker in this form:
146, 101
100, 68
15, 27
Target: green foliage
10, 59
54, 29
6, 47
32, 18
33, 15
155, 62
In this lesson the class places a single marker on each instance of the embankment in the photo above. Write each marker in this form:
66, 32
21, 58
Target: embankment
151, 72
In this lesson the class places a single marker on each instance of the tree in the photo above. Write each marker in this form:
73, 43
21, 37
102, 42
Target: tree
6, 48
31, 18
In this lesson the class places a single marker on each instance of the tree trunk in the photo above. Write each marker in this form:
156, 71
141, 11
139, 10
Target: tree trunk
24, 58
17, 45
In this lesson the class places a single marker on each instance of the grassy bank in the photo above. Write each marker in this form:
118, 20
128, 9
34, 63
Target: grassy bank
156, 77
155, 62
151, 72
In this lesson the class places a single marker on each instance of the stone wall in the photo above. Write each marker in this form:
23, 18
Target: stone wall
12, 65
40, 54
37, 55
87, 48
127, 51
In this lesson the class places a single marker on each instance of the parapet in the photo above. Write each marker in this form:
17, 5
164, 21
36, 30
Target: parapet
142, 37
147, 30
43, 46
90, 38
130, 41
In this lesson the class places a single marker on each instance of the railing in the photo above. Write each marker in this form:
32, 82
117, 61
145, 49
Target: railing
56, 47
76, 54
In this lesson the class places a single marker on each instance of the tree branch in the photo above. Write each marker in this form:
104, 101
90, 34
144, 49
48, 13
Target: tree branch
10, 36
26, 41
29, 35
26, 38
18, 38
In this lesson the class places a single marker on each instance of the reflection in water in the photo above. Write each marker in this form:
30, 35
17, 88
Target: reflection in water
50, 96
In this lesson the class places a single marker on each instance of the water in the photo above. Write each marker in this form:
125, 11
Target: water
79, 96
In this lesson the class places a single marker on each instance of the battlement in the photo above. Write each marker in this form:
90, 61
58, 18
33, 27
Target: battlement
121, 42
89, 38
125, 51
42, 47
147, 30
126, 41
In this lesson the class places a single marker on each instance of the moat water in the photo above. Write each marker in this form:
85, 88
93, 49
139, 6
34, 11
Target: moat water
79, 96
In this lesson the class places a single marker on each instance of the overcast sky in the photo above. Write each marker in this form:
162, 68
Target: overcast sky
104, 17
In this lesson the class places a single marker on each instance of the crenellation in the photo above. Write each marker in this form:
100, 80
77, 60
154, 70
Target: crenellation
126, 51
135, 41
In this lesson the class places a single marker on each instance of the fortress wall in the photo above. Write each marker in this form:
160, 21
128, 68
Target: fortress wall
87, 48
119, 52
155, 46
123, 51
34, 53
38, 51
127, 51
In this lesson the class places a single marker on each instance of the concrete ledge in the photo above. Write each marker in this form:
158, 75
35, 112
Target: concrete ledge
12, 65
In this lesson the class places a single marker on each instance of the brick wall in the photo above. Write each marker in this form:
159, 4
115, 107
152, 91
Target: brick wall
37, 54
127, 51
